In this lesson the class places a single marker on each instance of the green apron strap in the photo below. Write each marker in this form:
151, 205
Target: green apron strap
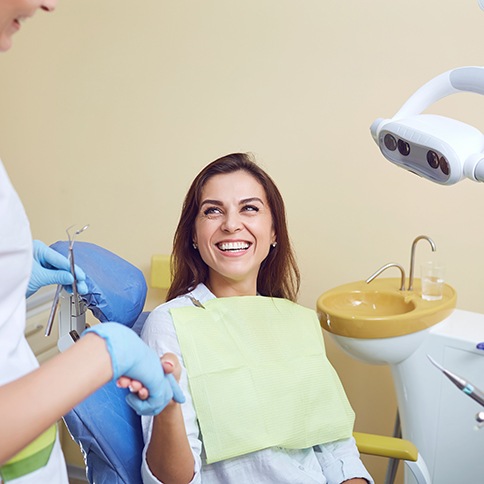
33, 457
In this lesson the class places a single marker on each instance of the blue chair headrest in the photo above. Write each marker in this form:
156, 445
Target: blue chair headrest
116, 288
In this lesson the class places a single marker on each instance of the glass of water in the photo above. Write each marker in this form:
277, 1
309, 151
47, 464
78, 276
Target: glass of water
432, 279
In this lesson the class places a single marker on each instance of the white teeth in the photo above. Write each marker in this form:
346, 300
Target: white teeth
233, 245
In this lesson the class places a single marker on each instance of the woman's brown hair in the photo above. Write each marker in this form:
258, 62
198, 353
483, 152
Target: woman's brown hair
278, 275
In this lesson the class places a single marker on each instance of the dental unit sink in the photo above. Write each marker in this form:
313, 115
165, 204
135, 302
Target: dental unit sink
380, 309
384, 321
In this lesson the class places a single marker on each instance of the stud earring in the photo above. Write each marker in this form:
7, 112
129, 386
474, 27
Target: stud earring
274, 244
195, 246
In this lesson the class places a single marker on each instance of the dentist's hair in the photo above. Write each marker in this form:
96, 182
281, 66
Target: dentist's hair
278, 275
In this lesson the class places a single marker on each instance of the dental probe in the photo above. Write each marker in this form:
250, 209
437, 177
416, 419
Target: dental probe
73, 267
53, 311
467, 387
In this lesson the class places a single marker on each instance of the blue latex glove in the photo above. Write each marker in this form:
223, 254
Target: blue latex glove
50, 267
131, 357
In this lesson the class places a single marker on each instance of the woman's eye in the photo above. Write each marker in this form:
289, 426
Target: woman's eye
212, 211
250, 208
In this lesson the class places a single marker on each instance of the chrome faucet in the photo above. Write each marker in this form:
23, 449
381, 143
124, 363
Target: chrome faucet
386, 266
412, 257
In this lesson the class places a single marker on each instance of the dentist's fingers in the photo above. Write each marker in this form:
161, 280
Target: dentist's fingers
178, 395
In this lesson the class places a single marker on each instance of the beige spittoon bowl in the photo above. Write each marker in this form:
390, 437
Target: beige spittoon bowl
380, 309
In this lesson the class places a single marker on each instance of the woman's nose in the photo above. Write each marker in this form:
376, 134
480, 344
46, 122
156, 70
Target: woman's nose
231, 223
49, 5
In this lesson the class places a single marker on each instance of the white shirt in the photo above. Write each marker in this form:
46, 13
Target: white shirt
330, 463
16, 357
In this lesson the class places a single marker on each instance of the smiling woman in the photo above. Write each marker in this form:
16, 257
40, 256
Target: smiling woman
233, 201
263, 402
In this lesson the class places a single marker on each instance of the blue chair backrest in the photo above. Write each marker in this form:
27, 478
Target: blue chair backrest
106, 428
109, 434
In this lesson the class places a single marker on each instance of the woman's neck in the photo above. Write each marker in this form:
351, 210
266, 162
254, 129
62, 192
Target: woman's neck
225, 288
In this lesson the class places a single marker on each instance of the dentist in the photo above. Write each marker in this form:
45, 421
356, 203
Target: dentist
33, 398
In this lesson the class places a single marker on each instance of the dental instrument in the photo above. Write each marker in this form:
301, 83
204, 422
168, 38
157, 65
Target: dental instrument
55, 303
467, 387
53, 311
438, 148
73, 269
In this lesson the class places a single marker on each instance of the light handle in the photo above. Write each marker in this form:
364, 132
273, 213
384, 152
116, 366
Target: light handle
461, 79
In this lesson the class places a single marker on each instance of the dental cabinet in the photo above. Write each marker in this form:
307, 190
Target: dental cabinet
437, 417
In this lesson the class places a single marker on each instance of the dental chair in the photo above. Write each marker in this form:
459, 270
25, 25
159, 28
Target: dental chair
107, 430
105, 427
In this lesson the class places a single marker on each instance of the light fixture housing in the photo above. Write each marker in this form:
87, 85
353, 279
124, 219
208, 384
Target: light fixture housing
438, 148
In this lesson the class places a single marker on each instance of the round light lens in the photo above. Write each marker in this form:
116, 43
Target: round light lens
444, 165
403, 147
433, 159
390, 142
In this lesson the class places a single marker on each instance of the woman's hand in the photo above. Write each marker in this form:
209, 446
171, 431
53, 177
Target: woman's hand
135, 386
170, 364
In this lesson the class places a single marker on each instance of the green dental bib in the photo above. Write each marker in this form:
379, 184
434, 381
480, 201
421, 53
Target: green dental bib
259, 376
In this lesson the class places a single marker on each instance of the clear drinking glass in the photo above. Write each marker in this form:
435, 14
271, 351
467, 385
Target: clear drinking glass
432, 278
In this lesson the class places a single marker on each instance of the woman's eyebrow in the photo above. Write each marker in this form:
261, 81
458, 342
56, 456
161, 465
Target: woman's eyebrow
211, 202
251, 200
218, 203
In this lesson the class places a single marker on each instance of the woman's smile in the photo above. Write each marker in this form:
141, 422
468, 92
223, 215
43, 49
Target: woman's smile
235, 247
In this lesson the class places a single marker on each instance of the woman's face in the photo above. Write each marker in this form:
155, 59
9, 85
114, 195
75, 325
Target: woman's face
233, 232
13, 12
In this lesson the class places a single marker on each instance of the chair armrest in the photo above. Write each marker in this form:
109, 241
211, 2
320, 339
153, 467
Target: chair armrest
384, 446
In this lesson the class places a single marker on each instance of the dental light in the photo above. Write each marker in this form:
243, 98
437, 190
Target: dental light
440, 149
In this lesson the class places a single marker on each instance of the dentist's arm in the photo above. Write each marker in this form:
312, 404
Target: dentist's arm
31, 404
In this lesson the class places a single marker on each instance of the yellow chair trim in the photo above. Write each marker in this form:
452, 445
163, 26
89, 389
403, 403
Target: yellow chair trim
384, 446
160, 277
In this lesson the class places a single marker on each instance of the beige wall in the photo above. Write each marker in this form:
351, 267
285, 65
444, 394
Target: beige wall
109, 108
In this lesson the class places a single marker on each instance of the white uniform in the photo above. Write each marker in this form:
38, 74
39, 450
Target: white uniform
16, 357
